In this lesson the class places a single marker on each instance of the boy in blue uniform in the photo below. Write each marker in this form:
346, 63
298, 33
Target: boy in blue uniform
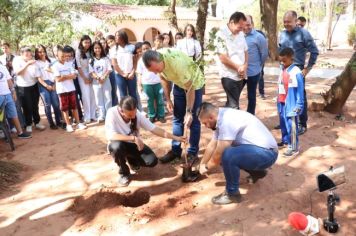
290, 101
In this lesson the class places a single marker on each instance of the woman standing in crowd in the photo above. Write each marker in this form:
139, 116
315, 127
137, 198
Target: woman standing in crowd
167, 40
28, 94
47, 86
189, 44
111, 50
158, 42
86, 83
99, 69
124, 64
178, 37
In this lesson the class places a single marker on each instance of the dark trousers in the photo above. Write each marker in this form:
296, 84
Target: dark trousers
29, 98
252, 82
114, 99
78, 99
125, 151
179, 109
261, 83
233, 90
303, 118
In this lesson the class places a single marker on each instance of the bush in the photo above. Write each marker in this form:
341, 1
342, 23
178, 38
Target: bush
351, 36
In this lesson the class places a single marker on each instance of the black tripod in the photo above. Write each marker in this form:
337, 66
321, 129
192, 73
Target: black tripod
330, 223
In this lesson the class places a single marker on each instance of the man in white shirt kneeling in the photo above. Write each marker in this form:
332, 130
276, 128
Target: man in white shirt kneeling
240, 141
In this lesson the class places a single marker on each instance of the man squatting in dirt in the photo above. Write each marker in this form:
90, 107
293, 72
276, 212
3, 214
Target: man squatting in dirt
240, 141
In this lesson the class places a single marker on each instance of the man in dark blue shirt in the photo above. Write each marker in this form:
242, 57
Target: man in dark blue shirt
301, 42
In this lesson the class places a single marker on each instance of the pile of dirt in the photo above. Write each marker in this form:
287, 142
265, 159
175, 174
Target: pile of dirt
9, 173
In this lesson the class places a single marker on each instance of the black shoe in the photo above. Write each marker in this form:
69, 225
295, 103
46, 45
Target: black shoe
24, 135
282, 144
302, 130
263, 97
53, 126
191, 157
255, 175
123, 180
225, 198
170, 156
162, 120
135, 168
152, 119
277, 127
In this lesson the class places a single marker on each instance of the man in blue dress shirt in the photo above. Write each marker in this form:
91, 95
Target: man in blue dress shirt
301, 42
257, 55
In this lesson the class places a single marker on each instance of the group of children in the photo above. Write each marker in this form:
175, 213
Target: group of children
98, 73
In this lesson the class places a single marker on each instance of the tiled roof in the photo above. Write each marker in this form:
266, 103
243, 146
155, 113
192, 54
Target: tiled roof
103, 11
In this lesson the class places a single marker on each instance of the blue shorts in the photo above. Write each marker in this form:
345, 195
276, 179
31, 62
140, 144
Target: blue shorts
10, 107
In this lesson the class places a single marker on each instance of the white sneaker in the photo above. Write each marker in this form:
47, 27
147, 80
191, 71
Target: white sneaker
81, 126
14, 130
69, 129
29, 129
40, 126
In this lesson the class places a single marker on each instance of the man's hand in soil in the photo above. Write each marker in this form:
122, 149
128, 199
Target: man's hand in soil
169, 105
139, 143
188, 119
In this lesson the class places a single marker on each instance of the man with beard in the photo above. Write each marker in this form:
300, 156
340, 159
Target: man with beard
240, 141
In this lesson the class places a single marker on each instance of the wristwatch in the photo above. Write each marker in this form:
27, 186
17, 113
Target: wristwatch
189, 110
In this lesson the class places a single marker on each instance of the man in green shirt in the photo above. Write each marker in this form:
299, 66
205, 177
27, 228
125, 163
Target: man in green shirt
175, 66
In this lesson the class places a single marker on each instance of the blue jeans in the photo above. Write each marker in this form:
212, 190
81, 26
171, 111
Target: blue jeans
179, 109
252, 82
114, 99
246, 157
50, 99
126, 86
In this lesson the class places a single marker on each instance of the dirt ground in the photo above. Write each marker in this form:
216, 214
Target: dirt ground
69, 183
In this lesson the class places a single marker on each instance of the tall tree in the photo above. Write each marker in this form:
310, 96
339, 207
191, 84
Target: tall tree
341, 89
329, 17
172, 15
268, 9
201, 20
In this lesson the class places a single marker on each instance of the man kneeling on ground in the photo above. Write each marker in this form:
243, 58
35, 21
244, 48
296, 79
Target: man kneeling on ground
122, 127
240, 141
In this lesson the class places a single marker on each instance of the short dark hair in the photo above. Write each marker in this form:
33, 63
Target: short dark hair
138, 45
110, 37
237, 16
66, 49
151, 56
146, 43
5, 44
302, 19
204, 108
288, 52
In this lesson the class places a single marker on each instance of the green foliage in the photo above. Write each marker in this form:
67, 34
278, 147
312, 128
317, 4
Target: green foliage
141, 2
32, 22
351, 35
187, 3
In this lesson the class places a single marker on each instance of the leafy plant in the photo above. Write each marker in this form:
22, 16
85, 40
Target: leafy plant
351, 35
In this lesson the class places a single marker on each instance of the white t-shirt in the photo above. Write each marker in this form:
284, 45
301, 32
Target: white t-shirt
60, 69
114, 124
242, 128
100, 66
81, 62
43, 66
29, 77
234, 46
190, 46
124, 57
4, 77
147, 77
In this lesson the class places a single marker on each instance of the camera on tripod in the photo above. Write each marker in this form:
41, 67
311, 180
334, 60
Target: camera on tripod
328, 181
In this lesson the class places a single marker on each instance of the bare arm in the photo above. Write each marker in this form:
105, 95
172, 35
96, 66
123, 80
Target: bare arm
23, 69
166, 89
216, 156
162, 133
209, 151
65, 77
190, 97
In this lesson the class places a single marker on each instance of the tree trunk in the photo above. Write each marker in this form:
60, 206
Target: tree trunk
329, 17
341, 89
173, 15
268, 9
201, 21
